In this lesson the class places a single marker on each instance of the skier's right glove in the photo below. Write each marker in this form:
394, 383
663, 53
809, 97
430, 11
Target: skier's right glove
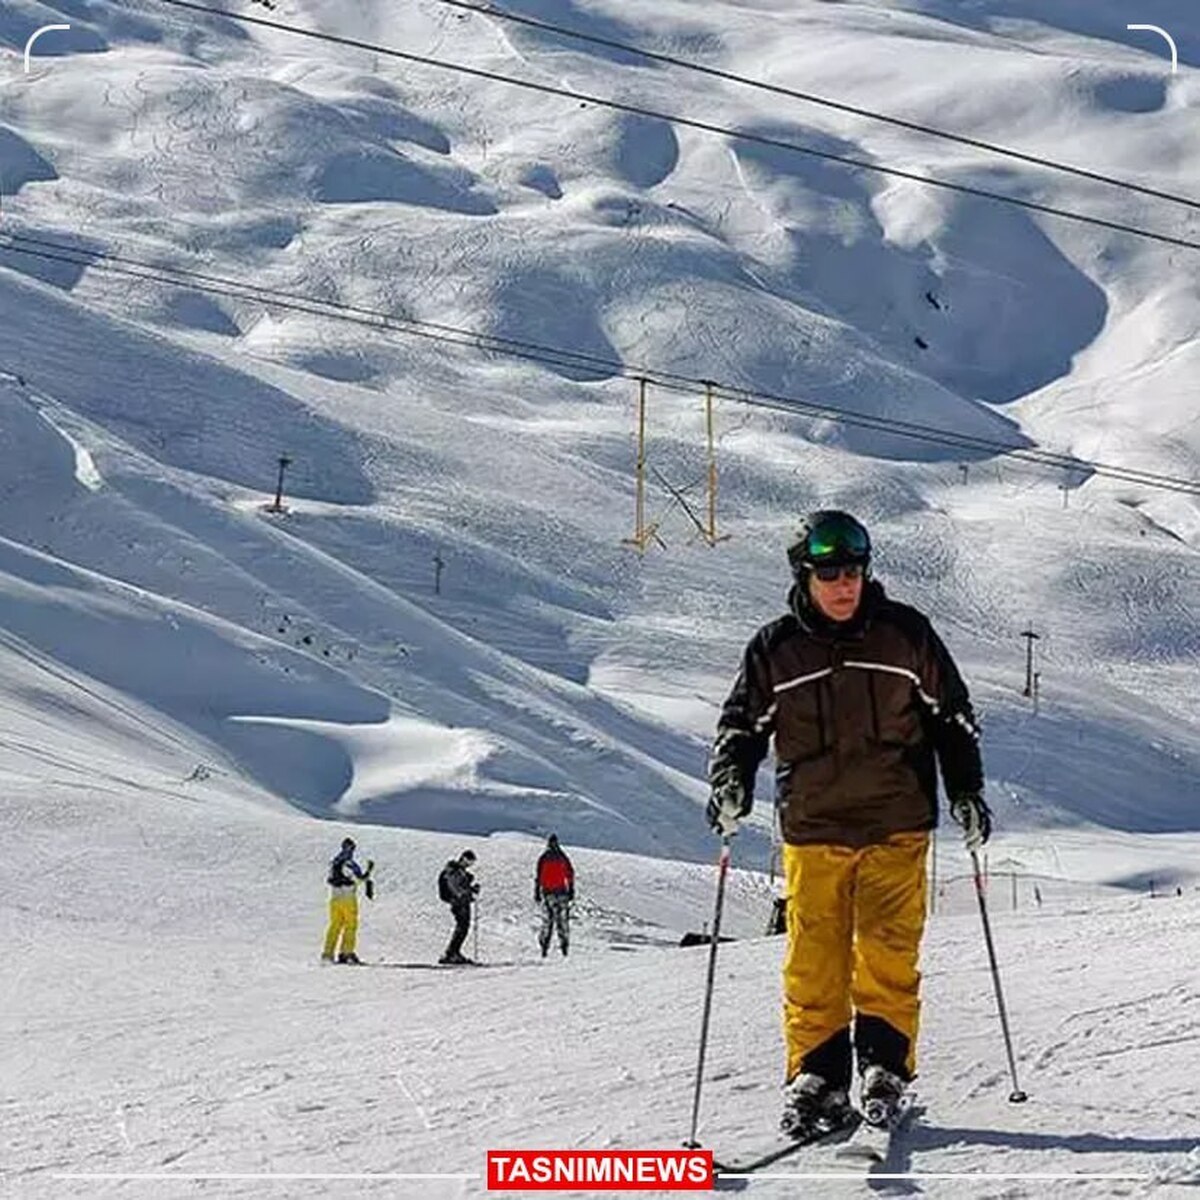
970, 810
728, 803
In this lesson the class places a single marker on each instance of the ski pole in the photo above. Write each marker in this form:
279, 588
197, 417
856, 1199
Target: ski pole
475, 902
722, 872
1017, 1096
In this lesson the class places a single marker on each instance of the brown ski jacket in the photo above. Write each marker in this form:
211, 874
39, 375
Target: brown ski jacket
860, 713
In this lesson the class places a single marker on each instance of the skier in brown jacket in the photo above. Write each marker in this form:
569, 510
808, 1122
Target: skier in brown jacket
864, 703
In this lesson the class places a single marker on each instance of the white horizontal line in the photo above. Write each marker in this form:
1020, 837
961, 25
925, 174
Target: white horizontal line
230, 1175
1061, 1175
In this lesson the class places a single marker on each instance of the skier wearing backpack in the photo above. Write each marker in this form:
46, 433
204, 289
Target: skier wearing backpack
457, 888
864, 704
343, 878
554, 890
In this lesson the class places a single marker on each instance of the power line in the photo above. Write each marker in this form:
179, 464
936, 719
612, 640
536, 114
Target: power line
691, 123
823, 101
560, 357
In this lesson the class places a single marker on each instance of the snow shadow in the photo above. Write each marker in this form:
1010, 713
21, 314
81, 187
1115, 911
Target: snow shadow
646, 151
924, 1136
550, 307
955, 305
62, 264
921, 1136
1103, 19
18, 22
20, 164
541, 178
369, 173
195, 672
309, 769
178, 407
571, 15
1131, 93
195, 310
240, 236
381, 119
96, 28
1096, 771
489, 593
1016, 310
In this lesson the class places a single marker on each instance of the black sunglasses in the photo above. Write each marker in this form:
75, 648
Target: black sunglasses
848, 571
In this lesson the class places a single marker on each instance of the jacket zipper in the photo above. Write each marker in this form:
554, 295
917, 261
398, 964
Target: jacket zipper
874, 710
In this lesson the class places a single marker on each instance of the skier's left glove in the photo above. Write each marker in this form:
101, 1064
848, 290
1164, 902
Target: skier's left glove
970, 810
369, 887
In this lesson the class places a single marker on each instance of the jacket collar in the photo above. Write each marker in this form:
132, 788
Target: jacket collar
817, 625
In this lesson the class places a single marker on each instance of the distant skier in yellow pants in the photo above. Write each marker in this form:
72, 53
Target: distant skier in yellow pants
344, 877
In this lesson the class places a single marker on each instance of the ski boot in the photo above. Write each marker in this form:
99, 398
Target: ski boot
880, 1097
813, 1107
350, 960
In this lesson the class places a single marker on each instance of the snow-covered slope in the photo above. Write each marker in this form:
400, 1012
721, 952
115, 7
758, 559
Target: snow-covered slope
561, 681
163, 1014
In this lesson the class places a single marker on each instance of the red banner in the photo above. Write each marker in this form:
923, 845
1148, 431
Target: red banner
600, 1170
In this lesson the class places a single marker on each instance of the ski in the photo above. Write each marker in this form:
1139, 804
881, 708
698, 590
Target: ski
870, 1145
436, 966
823, 1135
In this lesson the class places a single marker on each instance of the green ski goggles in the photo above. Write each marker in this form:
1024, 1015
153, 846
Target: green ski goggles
837, 540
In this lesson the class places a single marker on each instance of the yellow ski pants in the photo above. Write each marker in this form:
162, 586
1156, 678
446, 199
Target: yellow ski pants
854, 923
343, 923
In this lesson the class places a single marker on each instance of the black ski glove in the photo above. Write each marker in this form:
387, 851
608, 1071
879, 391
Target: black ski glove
970, 810
728, 803
369, 887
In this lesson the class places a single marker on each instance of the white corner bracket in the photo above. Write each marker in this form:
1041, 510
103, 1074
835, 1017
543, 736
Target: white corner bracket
33, 37
1170, 42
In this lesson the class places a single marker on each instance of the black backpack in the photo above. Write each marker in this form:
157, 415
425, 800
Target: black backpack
444, 892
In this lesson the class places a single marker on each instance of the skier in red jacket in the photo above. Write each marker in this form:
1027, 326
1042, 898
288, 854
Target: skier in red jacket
554, 889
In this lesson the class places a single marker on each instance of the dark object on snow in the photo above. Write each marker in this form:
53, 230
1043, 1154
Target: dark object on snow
778, 922
701, 939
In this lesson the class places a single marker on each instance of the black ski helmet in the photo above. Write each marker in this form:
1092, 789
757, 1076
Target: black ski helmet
347, 843
467, 856
828, 538
552, 841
